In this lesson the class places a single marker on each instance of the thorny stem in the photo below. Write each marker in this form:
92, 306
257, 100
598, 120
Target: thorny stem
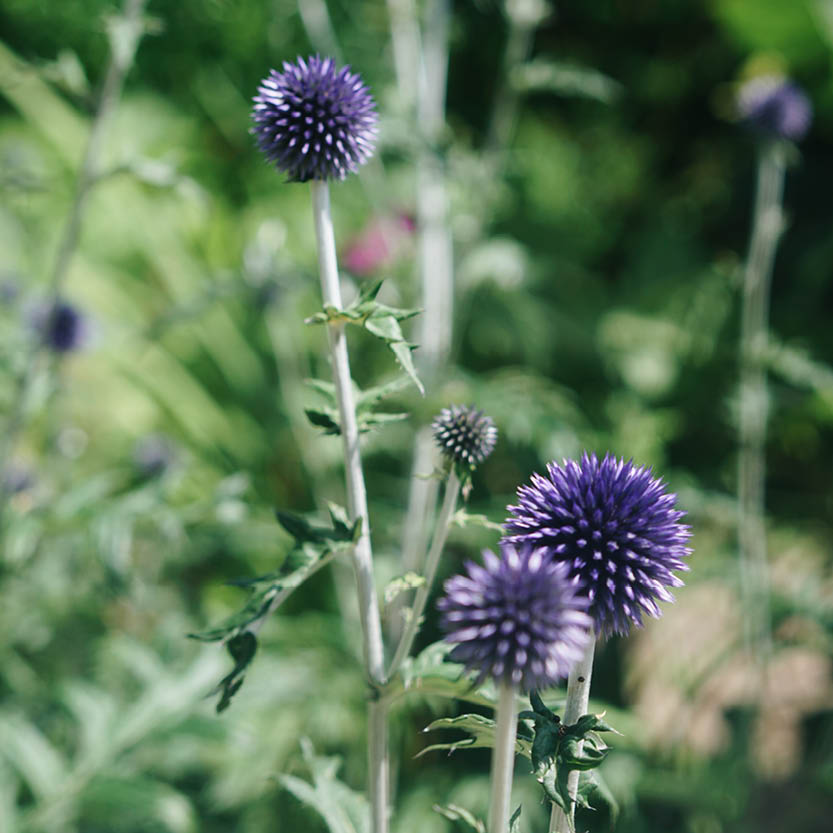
452, 491
767, 225
356, 505
503, 758
578, 696
123, 47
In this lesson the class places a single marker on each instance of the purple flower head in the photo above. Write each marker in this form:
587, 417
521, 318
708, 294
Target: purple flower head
63, 327
614, 526
314, 121
153, 455
775, 107
464, 435
517, 618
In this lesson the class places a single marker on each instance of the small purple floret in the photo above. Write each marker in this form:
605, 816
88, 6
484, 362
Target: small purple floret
517, 618
64, 328
315, 121
775, 107
616, 529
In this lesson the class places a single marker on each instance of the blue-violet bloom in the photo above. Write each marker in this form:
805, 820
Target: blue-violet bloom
63, 327
464, 435
615, 527
775, 107
315, 121
517, 619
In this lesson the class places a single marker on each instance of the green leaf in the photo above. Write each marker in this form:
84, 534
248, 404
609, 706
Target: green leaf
430, 673
401, 584
594, 793
242, 649
462, 518
455, 813
379, 320
565, 79
515, 821
328, 420
343, 810
482, 731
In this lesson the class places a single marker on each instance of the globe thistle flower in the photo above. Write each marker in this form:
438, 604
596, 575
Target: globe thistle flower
464, 435
314, 121
615, 527
62, 326
517, 619
775, 107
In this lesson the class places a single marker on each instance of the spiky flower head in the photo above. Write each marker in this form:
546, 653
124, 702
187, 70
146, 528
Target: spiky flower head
517, 618
464, 435
775, 107
313, 120
63, 327
615, 527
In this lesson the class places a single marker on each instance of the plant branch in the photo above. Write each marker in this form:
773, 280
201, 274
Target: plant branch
356, 506
767, 225
452, 491
503, 758
578, 696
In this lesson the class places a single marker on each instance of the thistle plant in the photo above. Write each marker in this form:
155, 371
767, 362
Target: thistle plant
518, 620
615, 529
777, 112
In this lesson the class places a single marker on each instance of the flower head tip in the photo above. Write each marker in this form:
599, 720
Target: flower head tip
616, 529
314, 120
775, 107
464, 435
517, 618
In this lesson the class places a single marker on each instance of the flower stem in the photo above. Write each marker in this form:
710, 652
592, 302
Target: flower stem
452, 491
121, 59
503, 758
767, 225
356, 506
578, 696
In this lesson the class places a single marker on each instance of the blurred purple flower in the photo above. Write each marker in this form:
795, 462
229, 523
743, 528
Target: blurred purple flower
63, 327
615, 527
518, 618
775, 107
153, 455
464, 435
379, 244
315, 121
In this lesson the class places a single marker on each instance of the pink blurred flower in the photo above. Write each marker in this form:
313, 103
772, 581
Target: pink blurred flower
380, 243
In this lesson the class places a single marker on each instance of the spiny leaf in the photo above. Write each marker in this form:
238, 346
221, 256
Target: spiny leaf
242, 649
515, 821
482, 731
594, 793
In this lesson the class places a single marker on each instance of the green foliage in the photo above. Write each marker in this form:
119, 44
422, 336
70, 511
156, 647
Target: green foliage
481, 729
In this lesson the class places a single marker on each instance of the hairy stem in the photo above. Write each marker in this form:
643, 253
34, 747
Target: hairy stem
503, 758
356, 505
767, 225
452, 491
578, 696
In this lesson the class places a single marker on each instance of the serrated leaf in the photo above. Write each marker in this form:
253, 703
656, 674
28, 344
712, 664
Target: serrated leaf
455, 813
368, 399
401, 584
242, 648
482, 732
343, 810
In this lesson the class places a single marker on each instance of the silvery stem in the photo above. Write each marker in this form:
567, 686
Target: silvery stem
767, 225
578, 696
356, 505
503, 758
452, 490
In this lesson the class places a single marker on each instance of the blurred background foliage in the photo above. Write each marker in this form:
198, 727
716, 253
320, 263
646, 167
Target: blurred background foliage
597, 275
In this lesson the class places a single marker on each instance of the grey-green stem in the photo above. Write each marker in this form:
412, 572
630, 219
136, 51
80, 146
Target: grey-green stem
578, 696
503, 758
767, 225
452, 491
356, 507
